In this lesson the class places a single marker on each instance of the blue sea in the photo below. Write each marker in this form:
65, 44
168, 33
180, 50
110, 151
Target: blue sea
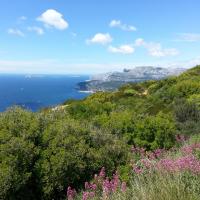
38, 91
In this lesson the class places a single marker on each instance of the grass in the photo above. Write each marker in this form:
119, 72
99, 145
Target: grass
160, 185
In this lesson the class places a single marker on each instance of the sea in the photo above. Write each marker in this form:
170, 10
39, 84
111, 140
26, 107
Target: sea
35, 92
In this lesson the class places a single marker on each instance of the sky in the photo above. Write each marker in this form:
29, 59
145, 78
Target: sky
95, 36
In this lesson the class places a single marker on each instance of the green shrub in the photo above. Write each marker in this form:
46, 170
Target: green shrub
154, 132
130, 92
186, 111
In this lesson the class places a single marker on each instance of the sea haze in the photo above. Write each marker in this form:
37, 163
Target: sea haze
38, 91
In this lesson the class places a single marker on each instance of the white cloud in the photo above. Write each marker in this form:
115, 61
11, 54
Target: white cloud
189, 37
36, 29
139, 42
124, 27
123, 49
52, 18
184, 63
155, 49
100, 38
49, 66
23, 18
115, 23
16, 32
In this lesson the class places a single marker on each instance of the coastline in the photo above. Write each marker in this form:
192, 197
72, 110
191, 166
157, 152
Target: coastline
87, 91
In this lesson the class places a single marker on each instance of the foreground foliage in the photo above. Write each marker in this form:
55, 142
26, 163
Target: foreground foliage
161, 174
43, 153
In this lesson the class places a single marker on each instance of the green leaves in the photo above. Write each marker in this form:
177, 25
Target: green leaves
16, 162
42, 153
154, 132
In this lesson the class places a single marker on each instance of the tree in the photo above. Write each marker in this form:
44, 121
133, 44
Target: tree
18, 133
154, 132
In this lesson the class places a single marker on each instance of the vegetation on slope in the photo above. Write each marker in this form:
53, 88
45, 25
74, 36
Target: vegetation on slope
161, 174
43, 153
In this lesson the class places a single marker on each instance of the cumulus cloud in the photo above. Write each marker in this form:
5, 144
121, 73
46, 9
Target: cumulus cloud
189, 37
100, 38
155, 49
118, 24
52, 18
36, 29
15, 31
123, 49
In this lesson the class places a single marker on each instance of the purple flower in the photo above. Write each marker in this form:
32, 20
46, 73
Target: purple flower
71, 193
180, 138
137, 170
102, 172
85, 195
123, 187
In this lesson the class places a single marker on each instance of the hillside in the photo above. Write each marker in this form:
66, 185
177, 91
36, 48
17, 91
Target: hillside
43, 153
113, 80
160, 174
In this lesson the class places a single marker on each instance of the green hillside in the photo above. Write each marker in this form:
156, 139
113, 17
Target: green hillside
42, 153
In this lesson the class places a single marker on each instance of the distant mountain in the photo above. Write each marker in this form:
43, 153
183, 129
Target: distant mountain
112, 80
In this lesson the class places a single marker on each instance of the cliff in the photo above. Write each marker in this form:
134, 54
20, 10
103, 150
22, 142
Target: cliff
112, 80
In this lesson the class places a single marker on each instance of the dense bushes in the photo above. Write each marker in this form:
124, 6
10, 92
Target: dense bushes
159, 174
154, 132
18, 153
42, 153
186, 111
71, 153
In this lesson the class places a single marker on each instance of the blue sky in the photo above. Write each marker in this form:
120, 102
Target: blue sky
93, 36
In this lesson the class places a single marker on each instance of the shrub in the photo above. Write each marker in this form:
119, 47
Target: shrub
154, 132
186, 111
130, 92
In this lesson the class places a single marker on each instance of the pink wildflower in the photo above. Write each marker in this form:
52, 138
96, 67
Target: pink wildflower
106, 186
71, 193
85, 195
137, 170
90, 186
123, 187
115, 182
190, 148
181, 138
102, 173
186, 163
88, 195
